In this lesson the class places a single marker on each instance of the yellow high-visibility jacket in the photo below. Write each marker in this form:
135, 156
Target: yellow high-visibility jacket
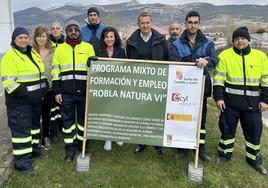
69, 68
241, 78
22, 77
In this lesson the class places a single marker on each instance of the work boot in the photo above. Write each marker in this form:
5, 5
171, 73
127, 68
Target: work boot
69, 156
222, 160
260, 169
159, 150
182, 153
180, 156
139, 149
204, 157
30, 172
46, 144
68, 159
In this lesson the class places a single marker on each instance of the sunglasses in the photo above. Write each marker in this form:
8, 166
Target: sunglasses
73, 28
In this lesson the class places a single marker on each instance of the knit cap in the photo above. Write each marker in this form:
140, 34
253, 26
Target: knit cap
241, 32
93, 9
18, 31
72, 22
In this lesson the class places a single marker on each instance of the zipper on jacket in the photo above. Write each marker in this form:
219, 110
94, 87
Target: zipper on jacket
74, 69
244, 74
40, 75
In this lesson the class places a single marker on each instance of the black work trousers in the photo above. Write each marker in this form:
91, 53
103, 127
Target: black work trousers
251, 123
51, 117
72, 113
24, 123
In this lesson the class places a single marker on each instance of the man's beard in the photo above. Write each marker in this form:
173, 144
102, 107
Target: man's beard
74, 36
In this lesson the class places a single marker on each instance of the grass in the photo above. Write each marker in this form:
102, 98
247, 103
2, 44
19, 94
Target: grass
121, 168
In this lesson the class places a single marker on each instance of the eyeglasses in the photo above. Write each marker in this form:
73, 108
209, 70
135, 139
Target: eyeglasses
192, 23
71, 29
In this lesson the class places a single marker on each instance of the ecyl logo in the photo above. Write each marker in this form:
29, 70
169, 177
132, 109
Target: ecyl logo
178, 98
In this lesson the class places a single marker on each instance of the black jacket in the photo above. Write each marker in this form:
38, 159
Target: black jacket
159, 50
118, 53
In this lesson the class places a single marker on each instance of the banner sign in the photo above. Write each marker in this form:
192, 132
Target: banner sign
151, 104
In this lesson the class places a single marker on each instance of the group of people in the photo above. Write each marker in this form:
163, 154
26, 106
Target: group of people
50, 77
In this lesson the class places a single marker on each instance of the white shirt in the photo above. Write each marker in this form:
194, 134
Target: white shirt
146, 38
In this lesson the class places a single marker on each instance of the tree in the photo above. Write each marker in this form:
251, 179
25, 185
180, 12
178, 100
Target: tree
260, 31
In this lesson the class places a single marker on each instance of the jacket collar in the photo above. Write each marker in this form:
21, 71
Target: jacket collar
199, 36
24, 51
87, 22
244, 51
156, 36
59, 41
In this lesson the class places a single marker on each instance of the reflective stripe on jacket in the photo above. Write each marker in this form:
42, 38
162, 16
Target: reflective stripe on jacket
24, 80
242, 80
69, 68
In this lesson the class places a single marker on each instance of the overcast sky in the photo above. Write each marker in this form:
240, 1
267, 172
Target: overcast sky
23, 4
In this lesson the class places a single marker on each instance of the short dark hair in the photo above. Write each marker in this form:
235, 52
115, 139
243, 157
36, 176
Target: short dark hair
192, 14
117, 42
144, 14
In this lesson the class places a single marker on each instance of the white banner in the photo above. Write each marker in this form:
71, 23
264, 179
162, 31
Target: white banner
182, 107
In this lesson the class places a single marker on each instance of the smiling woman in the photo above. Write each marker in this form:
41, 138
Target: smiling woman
22, 75
42, 45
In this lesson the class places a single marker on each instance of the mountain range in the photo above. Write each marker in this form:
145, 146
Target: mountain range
124, 15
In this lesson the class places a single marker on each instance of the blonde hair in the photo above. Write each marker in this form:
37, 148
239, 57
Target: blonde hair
37, 33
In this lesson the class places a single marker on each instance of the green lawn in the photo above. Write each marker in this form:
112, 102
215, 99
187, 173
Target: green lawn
121, 168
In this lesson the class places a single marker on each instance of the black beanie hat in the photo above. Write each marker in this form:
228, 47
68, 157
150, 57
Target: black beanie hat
18, 31
93, 9
241, 32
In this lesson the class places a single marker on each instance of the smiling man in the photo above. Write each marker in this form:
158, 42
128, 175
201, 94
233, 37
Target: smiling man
69, 75
92, 31
148, 44
174, 31
240, 90
193, 46
56, 37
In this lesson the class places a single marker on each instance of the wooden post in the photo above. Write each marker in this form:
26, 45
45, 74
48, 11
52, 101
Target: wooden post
86, 116
199, 122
